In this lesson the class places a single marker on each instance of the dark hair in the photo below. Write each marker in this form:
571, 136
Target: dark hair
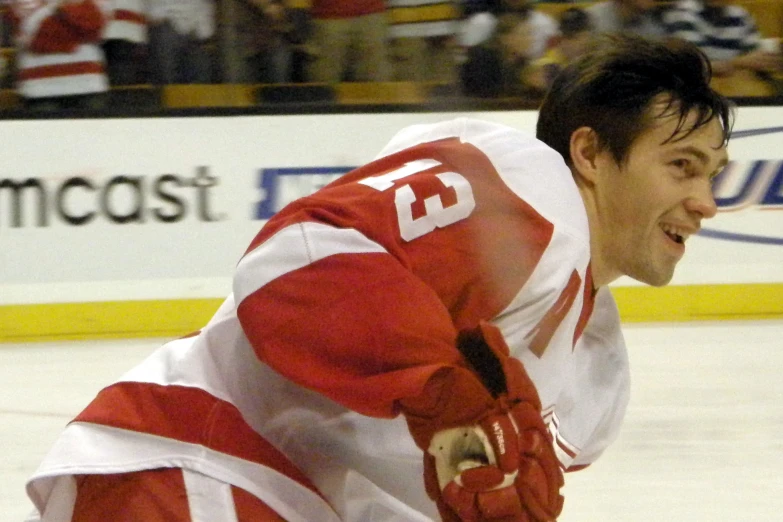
574, 20
613, 86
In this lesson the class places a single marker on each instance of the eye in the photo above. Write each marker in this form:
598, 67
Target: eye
683, 168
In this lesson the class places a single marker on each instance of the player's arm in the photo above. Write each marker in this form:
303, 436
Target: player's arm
385, 344
360, 286
334, 312
329, 294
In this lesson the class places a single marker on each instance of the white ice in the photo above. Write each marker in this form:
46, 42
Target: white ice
702, 442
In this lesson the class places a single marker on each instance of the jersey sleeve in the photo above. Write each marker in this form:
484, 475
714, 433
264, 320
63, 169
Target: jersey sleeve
354, 325
358, 291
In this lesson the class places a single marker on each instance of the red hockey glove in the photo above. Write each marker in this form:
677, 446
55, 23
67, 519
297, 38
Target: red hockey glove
488, 455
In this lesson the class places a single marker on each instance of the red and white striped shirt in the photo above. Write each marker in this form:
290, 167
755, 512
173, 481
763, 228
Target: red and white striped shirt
58, 47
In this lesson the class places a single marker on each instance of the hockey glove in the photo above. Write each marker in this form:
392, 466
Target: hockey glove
488, 455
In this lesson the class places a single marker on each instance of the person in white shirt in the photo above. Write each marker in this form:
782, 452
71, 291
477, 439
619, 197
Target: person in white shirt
725, 32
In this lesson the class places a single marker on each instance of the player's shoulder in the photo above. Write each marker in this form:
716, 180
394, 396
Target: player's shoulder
482, 133
531, 169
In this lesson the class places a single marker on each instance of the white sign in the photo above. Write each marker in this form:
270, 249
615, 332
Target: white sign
159, 208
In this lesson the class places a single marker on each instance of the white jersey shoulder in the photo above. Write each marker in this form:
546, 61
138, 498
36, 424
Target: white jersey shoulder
529, 167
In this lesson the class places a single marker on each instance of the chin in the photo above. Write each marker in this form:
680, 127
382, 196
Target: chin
659, 282
650, 277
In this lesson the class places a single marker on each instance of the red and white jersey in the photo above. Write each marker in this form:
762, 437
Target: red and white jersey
58, 47
349, 300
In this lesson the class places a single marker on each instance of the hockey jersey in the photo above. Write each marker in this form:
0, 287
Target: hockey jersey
349, 300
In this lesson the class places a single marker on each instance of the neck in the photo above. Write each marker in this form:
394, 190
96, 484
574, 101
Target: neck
602, 270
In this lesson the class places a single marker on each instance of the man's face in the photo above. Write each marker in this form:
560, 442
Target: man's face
648, 206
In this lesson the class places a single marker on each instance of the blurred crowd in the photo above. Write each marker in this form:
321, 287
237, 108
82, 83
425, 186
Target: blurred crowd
69, 53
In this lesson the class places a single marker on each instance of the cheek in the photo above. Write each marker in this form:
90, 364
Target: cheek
633, 216
649, 190
624, 204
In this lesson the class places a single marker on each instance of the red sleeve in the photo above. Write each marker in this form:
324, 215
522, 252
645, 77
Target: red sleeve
369, 328
358, 328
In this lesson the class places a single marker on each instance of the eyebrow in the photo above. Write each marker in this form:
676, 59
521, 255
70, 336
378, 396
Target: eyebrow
700, 155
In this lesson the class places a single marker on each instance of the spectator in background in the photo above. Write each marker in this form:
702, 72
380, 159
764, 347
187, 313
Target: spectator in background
349, 41
726, 33
59, 60
125, 42
532, 29
7, 44
422, 40
573, 41
256, 41
179, 35
477, 26
637, 17
500, 45
481, 23
299, 39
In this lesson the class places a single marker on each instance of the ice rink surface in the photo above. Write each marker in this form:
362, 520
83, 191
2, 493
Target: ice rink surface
702, 442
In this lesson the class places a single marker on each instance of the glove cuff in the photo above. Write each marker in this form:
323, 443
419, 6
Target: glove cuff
452, 397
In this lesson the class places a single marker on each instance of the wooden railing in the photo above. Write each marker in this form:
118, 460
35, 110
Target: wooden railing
768, 15
432, 95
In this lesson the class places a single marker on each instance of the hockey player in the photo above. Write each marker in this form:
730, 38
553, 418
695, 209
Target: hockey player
431, 335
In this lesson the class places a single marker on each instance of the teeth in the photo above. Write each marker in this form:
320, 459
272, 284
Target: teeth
675, 232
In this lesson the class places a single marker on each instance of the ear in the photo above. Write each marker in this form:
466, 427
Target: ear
584, 153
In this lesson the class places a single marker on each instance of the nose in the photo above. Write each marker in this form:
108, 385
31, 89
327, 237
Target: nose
702, 203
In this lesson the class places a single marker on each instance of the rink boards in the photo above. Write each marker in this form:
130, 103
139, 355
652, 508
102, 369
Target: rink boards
132, 227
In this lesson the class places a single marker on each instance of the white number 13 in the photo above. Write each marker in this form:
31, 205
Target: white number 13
435, 216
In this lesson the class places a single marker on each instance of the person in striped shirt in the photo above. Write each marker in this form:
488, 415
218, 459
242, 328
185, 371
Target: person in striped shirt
59, 60
725, 32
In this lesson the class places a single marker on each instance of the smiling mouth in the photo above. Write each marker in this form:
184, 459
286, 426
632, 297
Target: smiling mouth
675, 234
675, 237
